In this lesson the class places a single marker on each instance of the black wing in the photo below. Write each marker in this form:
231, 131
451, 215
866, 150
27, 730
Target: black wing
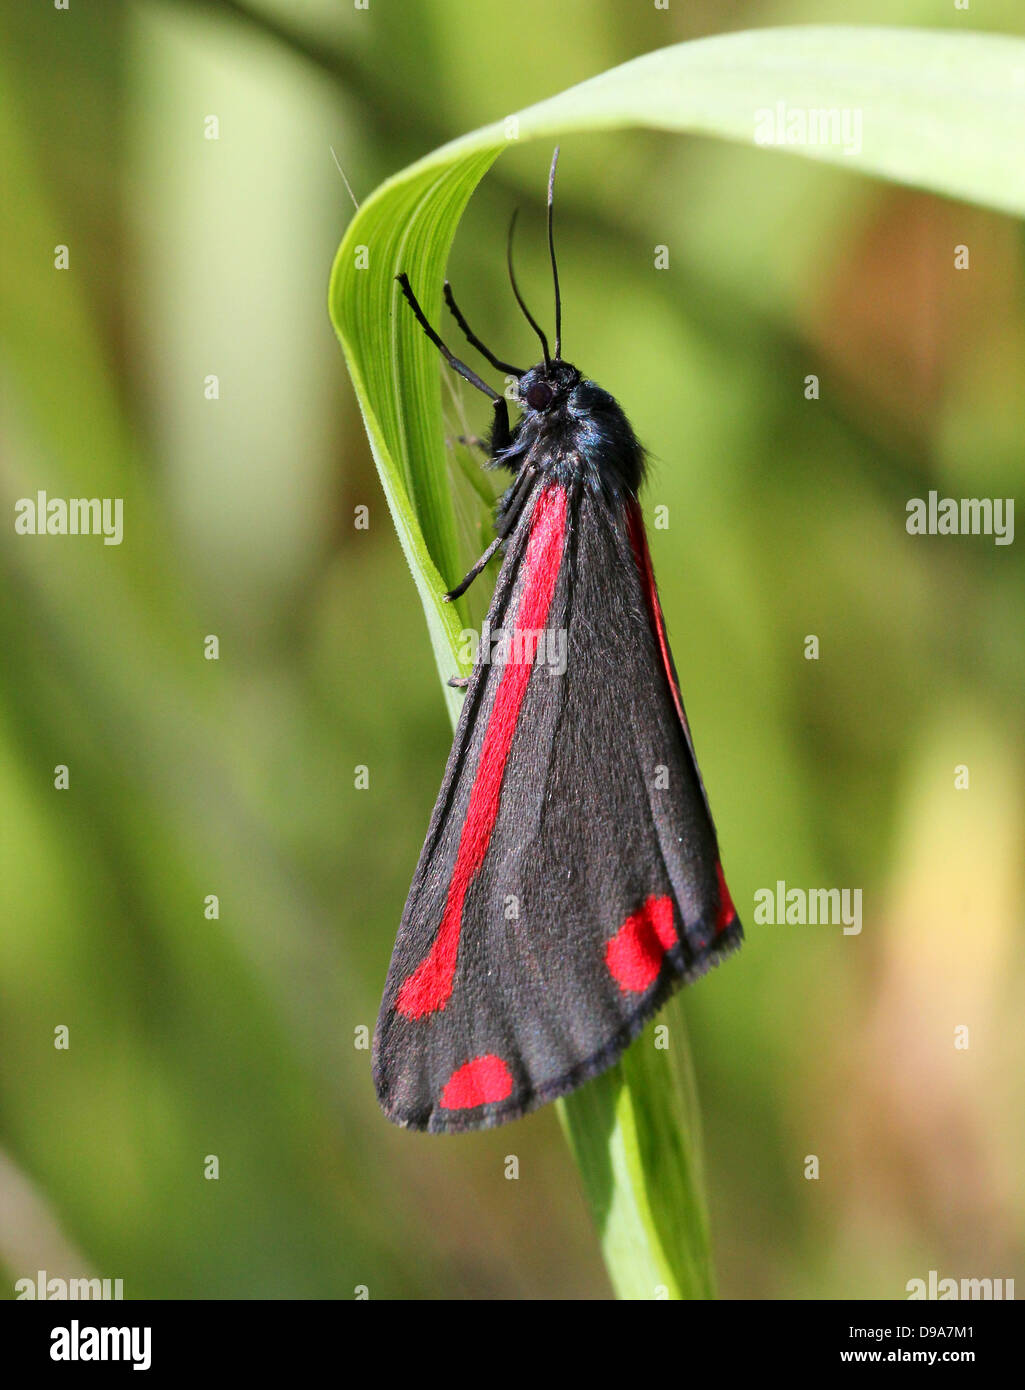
570, 878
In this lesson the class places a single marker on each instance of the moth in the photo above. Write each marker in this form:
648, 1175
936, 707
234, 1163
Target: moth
570, 880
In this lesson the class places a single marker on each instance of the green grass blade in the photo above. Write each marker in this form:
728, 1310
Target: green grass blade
940, 111
635, 1133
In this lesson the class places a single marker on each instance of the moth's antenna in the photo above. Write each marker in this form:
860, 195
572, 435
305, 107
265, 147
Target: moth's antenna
519, 298
551, 252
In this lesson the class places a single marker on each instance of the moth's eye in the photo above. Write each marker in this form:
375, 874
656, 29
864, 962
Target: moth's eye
540, 395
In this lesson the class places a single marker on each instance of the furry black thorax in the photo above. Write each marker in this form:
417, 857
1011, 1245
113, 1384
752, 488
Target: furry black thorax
572, 431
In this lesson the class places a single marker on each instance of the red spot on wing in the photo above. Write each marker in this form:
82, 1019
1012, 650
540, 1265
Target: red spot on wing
727, 912
634, 955
430, 985
484, 1079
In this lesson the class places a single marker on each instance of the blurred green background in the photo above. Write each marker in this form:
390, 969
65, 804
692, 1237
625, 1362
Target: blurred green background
234, 1036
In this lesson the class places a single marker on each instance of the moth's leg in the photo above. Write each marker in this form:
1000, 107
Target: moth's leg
511, 501
462, 587
499, 438
459, 682
470, 441
501, 435
515, 498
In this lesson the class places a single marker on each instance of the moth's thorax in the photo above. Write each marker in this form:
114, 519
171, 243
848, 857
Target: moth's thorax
572, 429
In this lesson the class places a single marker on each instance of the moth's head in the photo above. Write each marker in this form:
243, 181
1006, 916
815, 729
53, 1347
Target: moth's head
546, 387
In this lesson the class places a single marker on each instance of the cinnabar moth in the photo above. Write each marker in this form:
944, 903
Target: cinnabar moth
570, 880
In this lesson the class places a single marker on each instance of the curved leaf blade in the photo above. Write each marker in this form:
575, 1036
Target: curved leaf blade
941, 111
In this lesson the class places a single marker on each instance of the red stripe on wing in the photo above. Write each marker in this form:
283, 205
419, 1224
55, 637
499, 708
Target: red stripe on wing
429, 987
639, 541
